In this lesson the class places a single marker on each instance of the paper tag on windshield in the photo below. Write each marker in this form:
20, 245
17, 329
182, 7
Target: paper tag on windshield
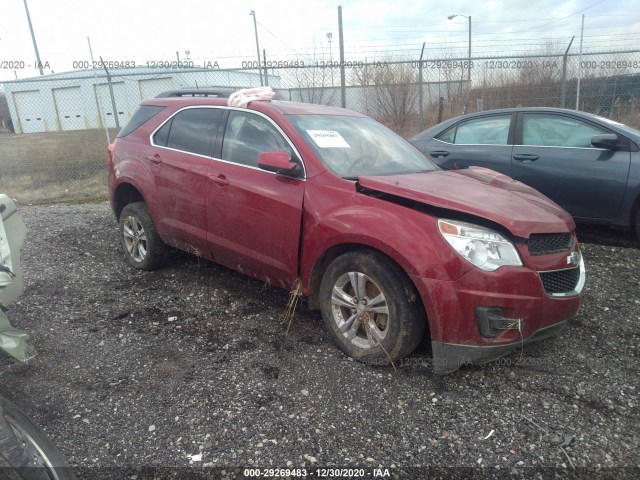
328, 139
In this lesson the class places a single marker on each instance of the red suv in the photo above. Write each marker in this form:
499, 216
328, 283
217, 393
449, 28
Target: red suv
386, 244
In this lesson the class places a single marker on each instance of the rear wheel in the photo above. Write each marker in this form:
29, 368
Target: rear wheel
25, 451
142, 246
370, 308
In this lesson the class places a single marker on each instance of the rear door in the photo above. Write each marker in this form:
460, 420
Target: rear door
181, 159
254, 216
553, 154
484, 141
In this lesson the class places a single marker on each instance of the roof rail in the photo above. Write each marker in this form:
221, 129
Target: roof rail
193, 93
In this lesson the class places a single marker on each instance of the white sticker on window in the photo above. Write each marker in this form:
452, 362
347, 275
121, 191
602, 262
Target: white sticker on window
328, 139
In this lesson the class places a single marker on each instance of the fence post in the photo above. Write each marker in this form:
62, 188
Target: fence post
266, 74
343, 88
421, 99
563, 92
440, 108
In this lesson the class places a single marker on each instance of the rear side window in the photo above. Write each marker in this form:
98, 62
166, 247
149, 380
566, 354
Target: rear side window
492, 130
193, 130
142, 115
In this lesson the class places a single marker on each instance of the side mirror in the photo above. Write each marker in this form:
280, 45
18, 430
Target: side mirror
280, 163
608, 141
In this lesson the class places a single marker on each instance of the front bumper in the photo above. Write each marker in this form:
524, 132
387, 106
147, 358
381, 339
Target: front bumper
484, 315
449, 357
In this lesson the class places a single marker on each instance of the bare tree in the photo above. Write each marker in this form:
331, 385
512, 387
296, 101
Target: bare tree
391, 93
313, 81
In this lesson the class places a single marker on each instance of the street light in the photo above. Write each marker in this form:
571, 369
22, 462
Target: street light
255, 27
451, 17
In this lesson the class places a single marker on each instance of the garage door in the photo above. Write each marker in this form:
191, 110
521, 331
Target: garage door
151, 88
106, 108
69, 107
29, 108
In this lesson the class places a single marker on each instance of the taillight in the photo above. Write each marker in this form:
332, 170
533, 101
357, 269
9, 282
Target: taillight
110, 161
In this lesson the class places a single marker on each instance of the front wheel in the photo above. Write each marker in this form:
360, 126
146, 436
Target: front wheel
25, 451
370, 308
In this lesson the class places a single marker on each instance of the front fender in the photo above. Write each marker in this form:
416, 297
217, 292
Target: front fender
407, 236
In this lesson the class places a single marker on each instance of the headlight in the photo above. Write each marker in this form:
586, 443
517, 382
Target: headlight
484, 248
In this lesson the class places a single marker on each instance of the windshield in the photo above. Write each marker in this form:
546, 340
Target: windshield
356, 146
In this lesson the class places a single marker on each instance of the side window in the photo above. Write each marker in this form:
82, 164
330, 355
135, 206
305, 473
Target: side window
162, 135
493, 130
194, 130
247, 135
448, 135
557, 131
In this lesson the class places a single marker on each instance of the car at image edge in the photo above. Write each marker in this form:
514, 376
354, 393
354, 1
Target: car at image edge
587, 164
387, 245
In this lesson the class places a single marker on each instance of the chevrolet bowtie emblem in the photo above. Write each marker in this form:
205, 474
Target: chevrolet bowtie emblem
574, 259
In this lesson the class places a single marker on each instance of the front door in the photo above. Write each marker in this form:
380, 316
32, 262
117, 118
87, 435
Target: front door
254, 216
553, 154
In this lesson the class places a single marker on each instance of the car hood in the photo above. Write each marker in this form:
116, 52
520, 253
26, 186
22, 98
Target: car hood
481, 192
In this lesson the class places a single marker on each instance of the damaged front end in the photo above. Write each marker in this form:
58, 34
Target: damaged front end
12, 235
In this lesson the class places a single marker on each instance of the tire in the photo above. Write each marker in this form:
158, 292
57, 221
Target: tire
25, 451
142, 246
637, 224
377, 333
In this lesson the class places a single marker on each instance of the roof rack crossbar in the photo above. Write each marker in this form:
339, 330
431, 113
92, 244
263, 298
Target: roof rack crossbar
193, 93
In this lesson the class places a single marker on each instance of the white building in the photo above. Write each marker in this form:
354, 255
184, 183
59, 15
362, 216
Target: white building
81, 99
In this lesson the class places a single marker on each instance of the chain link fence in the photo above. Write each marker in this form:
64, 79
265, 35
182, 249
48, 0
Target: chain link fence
54, 130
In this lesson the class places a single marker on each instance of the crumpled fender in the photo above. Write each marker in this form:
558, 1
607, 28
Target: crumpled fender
12, 235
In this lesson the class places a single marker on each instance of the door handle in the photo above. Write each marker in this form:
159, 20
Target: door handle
525, 157
220, 179
154, 158
439, 153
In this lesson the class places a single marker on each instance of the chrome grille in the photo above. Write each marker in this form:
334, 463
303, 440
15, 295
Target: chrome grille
546, 243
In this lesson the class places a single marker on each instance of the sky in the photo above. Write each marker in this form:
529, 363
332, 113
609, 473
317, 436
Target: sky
143, 31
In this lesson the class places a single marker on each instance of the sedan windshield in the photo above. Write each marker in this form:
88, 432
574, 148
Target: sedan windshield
356, 146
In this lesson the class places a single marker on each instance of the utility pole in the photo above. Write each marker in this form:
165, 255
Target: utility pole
113, 98
255, 27
33, 38
579, 65
563, 92
466, 102
95, 80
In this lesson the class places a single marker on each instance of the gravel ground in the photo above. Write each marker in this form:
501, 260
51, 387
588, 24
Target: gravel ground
139, 369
